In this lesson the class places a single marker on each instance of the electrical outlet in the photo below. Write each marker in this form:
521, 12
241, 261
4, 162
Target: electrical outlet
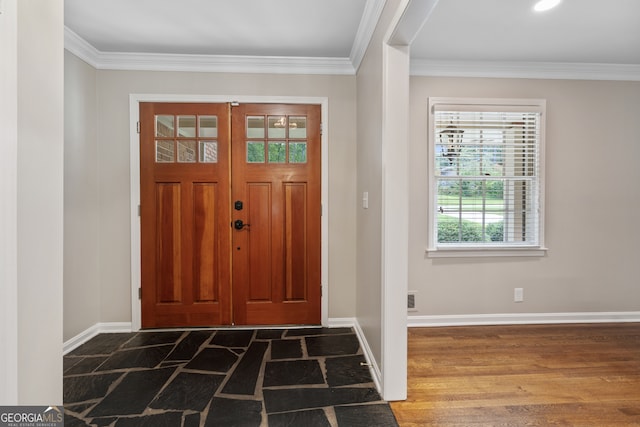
411, 301
518, 294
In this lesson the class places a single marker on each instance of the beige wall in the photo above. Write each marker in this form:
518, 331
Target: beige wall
81, 215
370, 82
592, 205
113, 89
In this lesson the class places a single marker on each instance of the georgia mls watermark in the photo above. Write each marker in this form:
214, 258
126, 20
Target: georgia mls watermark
31, 416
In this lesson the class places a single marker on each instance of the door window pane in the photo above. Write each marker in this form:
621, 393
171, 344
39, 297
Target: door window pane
186, 151
277, 126
277, 152
255, 152
297, 127
297, 152
208, 152
255, 127
164, 126
187, 126
164, 152
208, 126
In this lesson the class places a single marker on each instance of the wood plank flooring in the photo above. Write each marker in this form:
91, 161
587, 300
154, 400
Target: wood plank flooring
524, 375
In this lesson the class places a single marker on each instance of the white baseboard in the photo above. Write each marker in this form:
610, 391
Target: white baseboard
522, 319
352, 322
98, 328
342, 322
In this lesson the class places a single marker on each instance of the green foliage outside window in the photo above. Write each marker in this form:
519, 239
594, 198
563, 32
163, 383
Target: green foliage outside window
451, 230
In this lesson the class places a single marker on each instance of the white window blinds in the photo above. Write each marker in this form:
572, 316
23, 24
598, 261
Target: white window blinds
486, 174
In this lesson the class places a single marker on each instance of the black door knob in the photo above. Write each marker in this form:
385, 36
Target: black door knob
238, 224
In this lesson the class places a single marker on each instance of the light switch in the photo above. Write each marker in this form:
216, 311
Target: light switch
365, 200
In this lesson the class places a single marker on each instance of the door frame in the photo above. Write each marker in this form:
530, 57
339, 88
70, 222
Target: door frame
134, 170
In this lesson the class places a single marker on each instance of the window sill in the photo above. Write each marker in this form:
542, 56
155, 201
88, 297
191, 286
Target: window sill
475, 252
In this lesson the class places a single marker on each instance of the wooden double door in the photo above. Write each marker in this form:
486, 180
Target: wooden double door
230, 214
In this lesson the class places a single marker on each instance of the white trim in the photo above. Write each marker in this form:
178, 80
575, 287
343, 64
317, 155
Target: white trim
525, 70
224, 63
204, 63
372, 11
414, 16
9, 382
395, 214
485, 252
352, 322
81, 48
134, 171
523, 319
98, 328
341, 322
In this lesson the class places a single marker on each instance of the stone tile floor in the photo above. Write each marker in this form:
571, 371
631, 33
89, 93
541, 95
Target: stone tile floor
225, 377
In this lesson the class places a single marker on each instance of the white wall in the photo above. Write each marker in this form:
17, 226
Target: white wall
592, 204
113, 89
9, 205
39, 205
81, 215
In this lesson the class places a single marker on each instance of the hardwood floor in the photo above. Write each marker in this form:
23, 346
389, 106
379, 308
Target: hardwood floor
525, 375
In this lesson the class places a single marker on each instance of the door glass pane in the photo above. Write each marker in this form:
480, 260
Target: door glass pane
255, 152
208, 152
164, 126
255, 127
187, 126
297, 152
164, 152
208, 127
297, 127
277, 152
277, 126
186, 151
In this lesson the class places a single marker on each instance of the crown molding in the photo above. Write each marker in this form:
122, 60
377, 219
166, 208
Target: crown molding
525, 70
203, 63
80, 47
370, 16
224, 63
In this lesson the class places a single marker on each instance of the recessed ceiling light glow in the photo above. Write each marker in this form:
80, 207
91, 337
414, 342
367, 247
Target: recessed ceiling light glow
543, 5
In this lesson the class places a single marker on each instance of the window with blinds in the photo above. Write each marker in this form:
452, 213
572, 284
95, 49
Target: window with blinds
486, 163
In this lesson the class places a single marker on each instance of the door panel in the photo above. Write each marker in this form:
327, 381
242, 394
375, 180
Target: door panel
259, 246
169, 253
205, 250
184, 210
276, 174
295, 246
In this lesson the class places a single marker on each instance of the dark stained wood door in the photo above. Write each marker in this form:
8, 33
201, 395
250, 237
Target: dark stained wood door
185, 214
230, 225
276, 196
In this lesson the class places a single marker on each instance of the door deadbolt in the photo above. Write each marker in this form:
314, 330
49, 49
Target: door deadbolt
238, 205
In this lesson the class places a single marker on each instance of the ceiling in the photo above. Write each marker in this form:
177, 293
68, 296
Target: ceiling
316, 28
336, 32
578, 31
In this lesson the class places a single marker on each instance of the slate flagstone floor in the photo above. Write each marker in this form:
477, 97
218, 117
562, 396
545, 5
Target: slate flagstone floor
225, 377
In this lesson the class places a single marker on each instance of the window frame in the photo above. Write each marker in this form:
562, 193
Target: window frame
436, 250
